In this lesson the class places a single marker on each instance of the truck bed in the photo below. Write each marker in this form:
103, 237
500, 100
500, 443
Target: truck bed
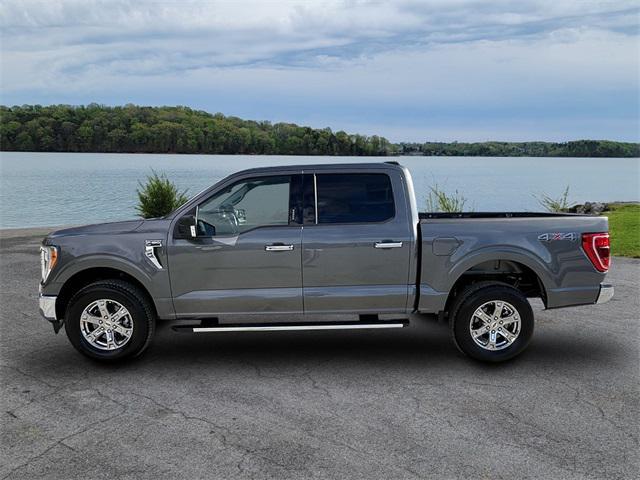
544, 246
430, 215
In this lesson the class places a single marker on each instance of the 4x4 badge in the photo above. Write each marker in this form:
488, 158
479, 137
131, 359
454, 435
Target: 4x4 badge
552, 237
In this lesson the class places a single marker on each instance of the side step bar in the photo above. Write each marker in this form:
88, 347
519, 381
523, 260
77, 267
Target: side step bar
283, 327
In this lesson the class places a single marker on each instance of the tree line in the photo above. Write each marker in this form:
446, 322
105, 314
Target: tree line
136, 129
578, 148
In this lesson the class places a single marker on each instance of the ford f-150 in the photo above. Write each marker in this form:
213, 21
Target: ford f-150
319, 247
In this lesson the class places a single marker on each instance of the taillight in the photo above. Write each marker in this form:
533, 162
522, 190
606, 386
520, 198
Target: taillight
596, 246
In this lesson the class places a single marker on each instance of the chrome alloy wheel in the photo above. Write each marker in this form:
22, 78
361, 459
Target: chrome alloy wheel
495, 325
106, 324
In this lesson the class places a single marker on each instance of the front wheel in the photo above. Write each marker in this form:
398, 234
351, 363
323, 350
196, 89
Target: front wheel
110, 320
491, 322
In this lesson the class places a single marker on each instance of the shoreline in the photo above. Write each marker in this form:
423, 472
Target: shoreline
293, 155
6, 233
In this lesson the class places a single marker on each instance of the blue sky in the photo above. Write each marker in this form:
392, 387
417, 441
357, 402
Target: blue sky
409, 70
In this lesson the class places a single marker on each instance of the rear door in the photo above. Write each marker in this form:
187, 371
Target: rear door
356, 242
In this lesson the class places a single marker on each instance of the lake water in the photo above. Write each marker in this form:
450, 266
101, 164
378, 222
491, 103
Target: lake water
50, 189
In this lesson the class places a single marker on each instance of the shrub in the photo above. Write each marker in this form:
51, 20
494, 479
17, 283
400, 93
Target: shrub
440, 201
158, 196
560, 204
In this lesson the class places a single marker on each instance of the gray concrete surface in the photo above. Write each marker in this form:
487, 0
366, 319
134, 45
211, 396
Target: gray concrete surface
388, 404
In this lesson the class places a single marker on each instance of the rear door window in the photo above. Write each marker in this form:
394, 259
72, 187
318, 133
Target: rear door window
354, 198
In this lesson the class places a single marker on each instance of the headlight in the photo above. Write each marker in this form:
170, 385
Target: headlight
48, 260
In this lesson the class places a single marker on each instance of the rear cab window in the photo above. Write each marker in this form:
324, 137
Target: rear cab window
354, 198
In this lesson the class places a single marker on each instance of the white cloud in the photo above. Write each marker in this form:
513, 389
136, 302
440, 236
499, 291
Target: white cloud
416, 60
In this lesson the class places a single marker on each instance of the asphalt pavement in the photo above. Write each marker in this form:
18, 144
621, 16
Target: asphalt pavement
296, 405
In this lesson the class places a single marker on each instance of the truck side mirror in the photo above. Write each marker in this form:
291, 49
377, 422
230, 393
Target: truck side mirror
186, 227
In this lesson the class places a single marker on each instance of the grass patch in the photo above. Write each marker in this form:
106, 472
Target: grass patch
624, 227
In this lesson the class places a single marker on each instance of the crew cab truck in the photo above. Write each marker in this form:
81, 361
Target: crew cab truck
319, 247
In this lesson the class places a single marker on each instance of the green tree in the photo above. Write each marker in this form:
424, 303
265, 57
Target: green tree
158, 196
132, 128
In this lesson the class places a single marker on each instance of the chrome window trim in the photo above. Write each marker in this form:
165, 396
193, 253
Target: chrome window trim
315, 197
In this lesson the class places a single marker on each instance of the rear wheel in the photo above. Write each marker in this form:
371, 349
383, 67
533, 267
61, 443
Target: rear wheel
110, 320
491, 322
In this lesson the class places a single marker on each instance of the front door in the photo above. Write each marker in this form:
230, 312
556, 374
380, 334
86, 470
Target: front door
357, 248
246, 257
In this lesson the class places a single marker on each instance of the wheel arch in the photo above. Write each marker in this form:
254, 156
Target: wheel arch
84, 277
513, 270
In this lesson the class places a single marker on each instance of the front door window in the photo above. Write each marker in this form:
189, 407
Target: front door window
243, 206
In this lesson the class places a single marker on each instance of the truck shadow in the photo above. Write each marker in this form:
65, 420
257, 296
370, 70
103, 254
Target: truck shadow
420, 355
425, 348
427, 345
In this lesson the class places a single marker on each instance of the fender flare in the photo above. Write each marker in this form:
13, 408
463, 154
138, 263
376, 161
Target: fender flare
89, 262
503, 253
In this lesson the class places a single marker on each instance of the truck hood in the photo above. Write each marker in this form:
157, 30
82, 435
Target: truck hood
98, 229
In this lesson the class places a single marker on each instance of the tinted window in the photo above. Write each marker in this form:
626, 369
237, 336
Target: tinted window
245, 205
354, 198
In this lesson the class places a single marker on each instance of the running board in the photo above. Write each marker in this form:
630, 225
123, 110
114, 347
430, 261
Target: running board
283, 327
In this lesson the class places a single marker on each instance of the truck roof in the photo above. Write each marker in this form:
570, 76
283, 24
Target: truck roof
388, 165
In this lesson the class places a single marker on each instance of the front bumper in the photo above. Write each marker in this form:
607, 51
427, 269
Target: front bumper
606, 292
48, 307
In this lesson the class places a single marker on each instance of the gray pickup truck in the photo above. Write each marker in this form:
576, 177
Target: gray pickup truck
319, 247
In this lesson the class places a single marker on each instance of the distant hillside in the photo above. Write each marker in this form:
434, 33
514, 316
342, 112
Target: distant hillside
135, 129
96, 128
578, 148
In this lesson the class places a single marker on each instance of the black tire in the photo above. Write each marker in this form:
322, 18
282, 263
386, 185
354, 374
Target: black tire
141, 313
462, 316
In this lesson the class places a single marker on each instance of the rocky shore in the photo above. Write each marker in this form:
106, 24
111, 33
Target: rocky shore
595, 208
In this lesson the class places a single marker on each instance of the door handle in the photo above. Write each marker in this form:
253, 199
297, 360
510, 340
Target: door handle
387, 245
278, 248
